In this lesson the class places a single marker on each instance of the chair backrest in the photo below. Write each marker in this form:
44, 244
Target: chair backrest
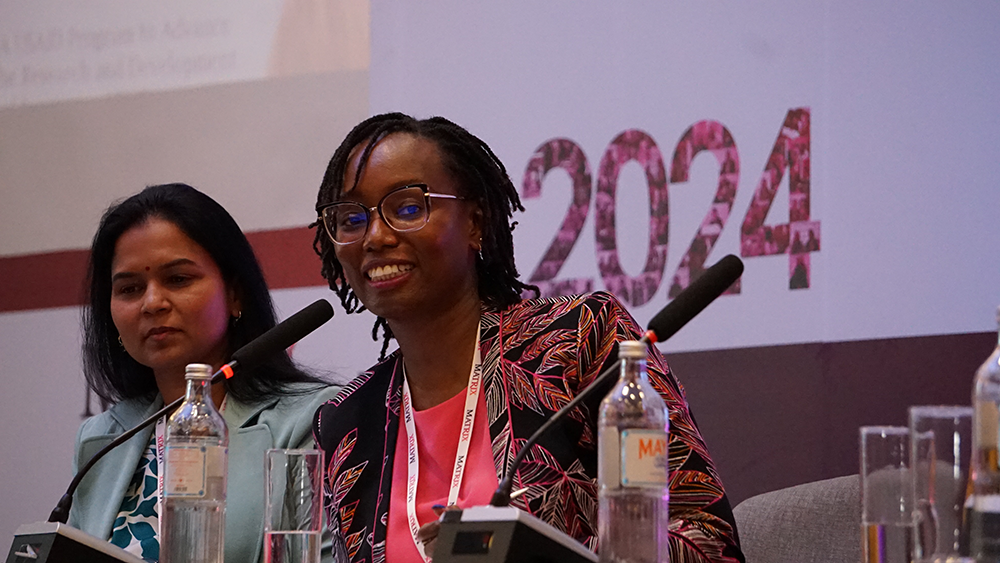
818, 522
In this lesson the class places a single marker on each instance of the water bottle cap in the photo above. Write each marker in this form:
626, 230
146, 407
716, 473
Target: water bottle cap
632, 349
198, 371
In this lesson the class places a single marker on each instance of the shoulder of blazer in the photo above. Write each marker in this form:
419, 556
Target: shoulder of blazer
290, 417
100, 429
121, 416
364, 398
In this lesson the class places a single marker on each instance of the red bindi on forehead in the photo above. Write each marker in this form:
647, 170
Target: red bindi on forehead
147, 268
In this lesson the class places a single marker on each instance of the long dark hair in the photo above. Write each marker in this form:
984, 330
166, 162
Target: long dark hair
110, 371
482, 179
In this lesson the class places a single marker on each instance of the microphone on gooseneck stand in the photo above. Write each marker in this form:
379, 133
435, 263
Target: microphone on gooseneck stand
662, 326
283, 335
693, 299
278, 338
489, 530
275, 340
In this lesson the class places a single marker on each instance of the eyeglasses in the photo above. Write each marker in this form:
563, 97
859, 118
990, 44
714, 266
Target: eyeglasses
404, 209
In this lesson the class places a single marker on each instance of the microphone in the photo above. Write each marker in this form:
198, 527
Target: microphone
663, 325
275, 340
285, 333
694, 299
499, 532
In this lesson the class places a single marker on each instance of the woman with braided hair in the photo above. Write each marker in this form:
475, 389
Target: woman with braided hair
415, 226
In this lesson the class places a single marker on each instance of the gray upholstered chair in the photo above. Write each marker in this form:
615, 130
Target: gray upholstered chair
817, 522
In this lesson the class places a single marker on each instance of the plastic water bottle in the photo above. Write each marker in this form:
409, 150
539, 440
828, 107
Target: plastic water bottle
984, 529
197, 443
633, 494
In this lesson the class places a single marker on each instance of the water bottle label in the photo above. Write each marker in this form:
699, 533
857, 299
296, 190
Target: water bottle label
610, 449
986, 424
215, 461
185, 471
988, 504
189, 467
644, 458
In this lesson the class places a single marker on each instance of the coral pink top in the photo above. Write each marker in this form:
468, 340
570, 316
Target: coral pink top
438, 430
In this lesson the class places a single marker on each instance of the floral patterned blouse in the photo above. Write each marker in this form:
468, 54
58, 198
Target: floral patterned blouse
136, 529
537, 354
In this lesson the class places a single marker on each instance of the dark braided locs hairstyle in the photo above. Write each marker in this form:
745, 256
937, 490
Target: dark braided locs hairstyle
482, 179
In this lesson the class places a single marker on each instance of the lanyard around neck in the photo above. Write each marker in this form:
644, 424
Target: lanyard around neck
161, 470
461, 455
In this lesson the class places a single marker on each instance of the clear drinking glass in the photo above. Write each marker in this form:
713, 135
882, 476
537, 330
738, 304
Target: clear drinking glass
941, 438
293, 512
886, 494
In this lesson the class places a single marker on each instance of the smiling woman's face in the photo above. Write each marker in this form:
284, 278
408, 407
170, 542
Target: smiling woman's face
169, 301
410, 275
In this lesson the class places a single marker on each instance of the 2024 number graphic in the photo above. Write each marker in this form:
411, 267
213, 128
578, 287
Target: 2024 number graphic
798, 237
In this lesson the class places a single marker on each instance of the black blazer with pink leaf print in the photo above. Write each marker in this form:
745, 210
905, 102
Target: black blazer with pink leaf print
537, 354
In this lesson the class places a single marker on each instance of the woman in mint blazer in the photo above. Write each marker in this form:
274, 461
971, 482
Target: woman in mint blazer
173, 281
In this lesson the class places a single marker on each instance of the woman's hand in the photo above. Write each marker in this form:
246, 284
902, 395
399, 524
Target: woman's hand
428, 533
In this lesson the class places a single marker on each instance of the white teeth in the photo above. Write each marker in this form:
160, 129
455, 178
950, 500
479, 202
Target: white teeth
383, 273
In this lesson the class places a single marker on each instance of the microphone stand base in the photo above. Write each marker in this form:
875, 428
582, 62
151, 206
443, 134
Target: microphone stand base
490, 534
52, 542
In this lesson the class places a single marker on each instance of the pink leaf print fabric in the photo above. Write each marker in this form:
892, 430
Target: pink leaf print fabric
537, 355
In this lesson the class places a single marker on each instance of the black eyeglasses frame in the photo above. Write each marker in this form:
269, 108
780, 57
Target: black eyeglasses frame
369, 211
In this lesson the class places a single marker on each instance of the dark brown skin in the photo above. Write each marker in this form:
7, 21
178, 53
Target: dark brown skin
432, 303
428, 533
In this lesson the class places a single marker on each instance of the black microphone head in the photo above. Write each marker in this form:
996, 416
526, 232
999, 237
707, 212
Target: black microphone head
285, 333
696, 297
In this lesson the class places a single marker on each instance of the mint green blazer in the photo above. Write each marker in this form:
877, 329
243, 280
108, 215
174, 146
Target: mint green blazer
280, 422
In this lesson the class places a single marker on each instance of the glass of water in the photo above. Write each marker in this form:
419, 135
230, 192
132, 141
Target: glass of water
941, 439
886, 494
293, 517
